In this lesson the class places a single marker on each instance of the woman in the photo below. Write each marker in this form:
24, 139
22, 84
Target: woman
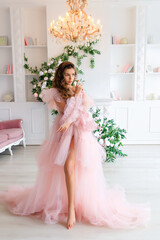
70, 182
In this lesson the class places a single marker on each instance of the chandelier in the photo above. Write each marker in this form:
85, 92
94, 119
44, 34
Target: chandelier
76, 26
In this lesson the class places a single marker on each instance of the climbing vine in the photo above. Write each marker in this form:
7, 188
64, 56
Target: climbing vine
45, 74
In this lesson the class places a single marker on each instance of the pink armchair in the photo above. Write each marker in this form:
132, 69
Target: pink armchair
11, 133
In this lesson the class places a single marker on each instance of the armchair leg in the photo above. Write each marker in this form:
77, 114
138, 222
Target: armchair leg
10, 150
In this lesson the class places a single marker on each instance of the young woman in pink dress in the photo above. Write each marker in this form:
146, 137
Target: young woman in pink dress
70, 184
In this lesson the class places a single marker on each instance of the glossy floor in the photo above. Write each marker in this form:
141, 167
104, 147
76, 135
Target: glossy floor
138, 173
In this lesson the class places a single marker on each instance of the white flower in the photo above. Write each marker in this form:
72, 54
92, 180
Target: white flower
76, 49
101, 141
46, 78
96, 134
48, 64
51, 62
112, 138
43, 85
59, 62
40, 73
45, 71
107, 143
111, 144
51, 78
53, 71
49, 70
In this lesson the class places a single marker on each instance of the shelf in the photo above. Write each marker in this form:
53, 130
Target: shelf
123, 45
8, 46
153, 73
153, 45
123, 74
36, 46
31, 74
6, 74
123, 100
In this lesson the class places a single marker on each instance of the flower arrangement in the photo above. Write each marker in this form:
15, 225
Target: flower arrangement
47, 70
109, 136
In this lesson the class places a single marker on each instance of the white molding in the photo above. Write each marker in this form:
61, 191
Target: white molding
141, 45
18, 55
34, 120
9, 113
151, 118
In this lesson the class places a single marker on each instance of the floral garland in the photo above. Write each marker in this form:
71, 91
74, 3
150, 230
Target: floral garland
47, 70
107, 134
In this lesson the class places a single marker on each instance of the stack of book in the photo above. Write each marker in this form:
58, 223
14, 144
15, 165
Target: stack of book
114, 95
128, 68
28, 41
114, 40
9, 69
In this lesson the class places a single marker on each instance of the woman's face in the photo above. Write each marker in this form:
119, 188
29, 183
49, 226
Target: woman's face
69, 76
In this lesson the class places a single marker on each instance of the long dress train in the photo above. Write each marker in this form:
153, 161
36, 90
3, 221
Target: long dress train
95, 202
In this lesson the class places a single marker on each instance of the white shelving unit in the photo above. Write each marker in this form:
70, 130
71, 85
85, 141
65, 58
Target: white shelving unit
152, 76
16, 22
6, 80
34, 22
122, 84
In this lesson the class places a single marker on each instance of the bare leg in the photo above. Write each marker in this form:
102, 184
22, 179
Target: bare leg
69, 169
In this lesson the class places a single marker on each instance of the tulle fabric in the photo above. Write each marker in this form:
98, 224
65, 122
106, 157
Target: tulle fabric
95, 202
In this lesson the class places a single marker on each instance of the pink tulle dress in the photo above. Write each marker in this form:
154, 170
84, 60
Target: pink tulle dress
95, 202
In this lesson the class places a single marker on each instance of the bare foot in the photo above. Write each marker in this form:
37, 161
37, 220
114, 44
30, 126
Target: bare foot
71, 218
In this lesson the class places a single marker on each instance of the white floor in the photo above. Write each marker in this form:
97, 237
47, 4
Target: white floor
139, 174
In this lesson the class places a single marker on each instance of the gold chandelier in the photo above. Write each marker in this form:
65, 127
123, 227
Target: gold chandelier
76, 26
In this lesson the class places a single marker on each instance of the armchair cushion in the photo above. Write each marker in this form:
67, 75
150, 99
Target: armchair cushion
12, 132
3, 138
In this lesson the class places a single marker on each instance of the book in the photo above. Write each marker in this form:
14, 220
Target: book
130, 69
112, 41
114, 95
125, 68
8, 68
25, 41
30, 41
11, 69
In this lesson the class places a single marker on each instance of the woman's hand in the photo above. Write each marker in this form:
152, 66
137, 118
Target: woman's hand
63, 127
78, 88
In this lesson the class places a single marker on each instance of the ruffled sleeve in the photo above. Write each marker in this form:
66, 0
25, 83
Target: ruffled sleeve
75, 112
50, 96
71, 110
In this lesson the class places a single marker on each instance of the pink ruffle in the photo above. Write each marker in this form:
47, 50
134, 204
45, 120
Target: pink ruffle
75, 111
95, 202
49, 96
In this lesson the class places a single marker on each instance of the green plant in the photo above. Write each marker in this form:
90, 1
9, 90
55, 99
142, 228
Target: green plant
45, 74
109, 136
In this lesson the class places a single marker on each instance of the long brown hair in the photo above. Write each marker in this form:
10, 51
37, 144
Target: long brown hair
59, 81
